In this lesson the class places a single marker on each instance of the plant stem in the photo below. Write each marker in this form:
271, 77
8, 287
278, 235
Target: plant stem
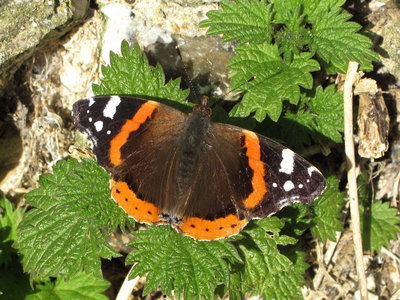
127, 286
352, 177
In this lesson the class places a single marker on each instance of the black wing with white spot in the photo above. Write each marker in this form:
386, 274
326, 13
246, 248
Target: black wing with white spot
289, 178
269, 176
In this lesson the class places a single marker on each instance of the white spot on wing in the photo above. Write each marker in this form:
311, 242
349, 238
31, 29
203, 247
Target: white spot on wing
92, 143
274, 184
288, 186
108, 131
91, 101
111, 107
98, 125
310, 170
287, 162
301, 186
90, 119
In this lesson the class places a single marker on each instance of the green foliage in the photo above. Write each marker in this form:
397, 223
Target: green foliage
380, 226
80, 287
281, 43
250, 262
318, 115
13, 283
246, 21
327, 211
266, 271
336, 41
274, 79
180, 264
327, 109
297, 219
9, 220
379, 222
130, 74
67, 231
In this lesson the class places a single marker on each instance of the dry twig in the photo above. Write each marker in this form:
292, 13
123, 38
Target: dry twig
127, 286
352, 177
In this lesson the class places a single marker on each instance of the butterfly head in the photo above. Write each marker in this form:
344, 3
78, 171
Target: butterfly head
202, 108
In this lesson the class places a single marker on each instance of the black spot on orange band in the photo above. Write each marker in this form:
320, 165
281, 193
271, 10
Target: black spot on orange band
140, 210
253, 152
207, 230
144, 112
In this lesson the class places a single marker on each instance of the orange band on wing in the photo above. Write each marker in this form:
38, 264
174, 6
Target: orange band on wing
202, 229
140, 210
253, 152
144, 112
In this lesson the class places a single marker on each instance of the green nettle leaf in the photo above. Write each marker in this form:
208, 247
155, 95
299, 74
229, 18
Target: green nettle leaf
14, 284
314, 8
243, 20
336, 41
181, 265
327, 212
297, 128
80, 287
266, 272
327, 108
130, 74
298, 258
9, 220
297, 219
283, 11
321, 114
379, 224
67, 231
293, 36
273, 79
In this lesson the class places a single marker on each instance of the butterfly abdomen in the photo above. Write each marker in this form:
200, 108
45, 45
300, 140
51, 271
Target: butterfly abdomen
193, 146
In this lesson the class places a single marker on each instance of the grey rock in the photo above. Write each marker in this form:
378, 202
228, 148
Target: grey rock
26, 26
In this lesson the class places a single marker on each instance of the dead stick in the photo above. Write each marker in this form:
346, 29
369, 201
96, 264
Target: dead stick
352, 177
125, 292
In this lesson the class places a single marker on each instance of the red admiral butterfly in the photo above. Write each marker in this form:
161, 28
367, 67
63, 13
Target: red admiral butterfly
206, 179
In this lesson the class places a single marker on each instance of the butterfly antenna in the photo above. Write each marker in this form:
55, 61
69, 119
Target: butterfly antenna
236, 88
190, 82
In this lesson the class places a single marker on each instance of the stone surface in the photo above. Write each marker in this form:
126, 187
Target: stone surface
29, 128
160, 26
27, 25
391, 44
